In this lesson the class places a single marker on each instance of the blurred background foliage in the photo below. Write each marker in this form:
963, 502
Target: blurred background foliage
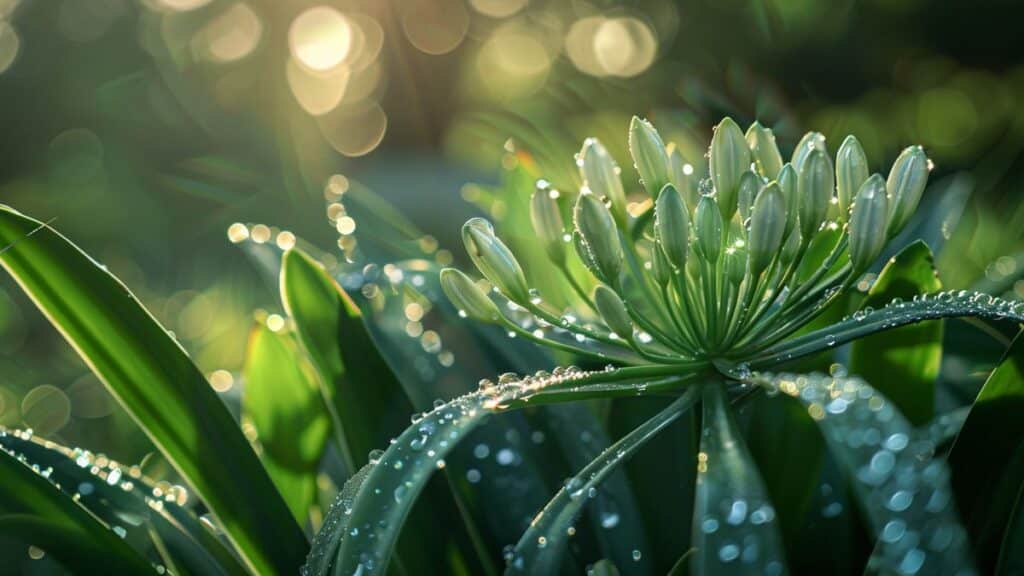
148, 128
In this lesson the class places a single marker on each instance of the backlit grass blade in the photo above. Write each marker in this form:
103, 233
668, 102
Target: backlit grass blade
153, 378
32, 508
541, 548
987, 463
282, 400
903, 362
121, 496
734, 525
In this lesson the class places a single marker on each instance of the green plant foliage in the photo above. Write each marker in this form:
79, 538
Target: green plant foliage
153, 378
904, 362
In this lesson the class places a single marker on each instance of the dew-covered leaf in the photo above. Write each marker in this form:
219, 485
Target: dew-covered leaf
734, 523
153, 378
987, 462
281, 398
31, 507
952, 304
904, 491
146, 511
904, 363
541, 548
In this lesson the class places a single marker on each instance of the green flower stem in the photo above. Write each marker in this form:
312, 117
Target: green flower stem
577, 288
673, 311
691, 313
519, 330
653, 329
555, 320
632, 259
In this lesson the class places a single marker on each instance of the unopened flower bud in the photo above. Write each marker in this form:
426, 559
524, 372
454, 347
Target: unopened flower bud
548, 224
809, 143
682, 177
672, 223
851, 172
707, 223
736, 264
599, 237
613, 311
661, 269
729, 158
649, 155
868, 223
750, 185
789, 187
905, 184
767, 226
764, 151
601, 174
467, 297
494, 260
816, 183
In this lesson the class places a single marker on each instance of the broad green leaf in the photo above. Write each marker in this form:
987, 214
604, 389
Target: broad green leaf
734, 524
386, 493
359, 384
960, 304
281, 398
903, 491
152, 519
541, 548
904, 362
32, 507
987, 462
153, 378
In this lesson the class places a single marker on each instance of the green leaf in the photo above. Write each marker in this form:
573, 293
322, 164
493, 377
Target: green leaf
960, 304
153, 378
282, 400
156, 526
32, 508
540, 549
378, 506
987, 462
904, 492
360, 386
734, 524
904, 362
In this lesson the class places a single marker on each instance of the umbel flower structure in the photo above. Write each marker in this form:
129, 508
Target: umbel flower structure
714, 272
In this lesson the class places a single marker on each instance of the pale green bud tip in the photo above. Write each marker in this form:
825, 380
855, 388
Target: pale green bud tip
613, 311
816, 184
649, 155
708, 228
601, 174
905, 184
868, 223
764, 150
809, 143
767, 227
729, 157
599, 237
494, 260
547, 223
672, 225
851, 172
467, 297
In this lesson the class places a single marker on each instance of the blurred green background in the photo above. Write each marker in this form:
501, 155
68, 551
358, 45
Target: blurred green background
157, 134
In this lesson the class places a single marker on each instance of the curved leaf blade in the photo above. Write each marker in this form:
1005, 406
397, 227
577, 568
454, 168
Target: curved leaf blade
903, 490
153, 378
904, 362
894, 315
30, 505
541, 548
734, 527
987, 461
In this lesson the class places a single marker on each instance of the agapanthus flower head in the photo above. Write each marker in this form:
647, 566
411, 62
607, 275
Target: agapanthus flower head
719, 275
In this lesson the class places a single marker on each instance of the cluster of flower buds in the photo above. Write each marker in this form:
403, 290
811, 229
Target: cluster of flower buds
716, 268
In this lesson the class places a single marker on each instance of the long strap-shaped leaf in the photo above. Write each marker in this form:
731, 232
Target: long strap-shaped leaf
734, 524
904, 491
386, 492
119, 498
541, 548
153, 378
895, 314
34, 509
